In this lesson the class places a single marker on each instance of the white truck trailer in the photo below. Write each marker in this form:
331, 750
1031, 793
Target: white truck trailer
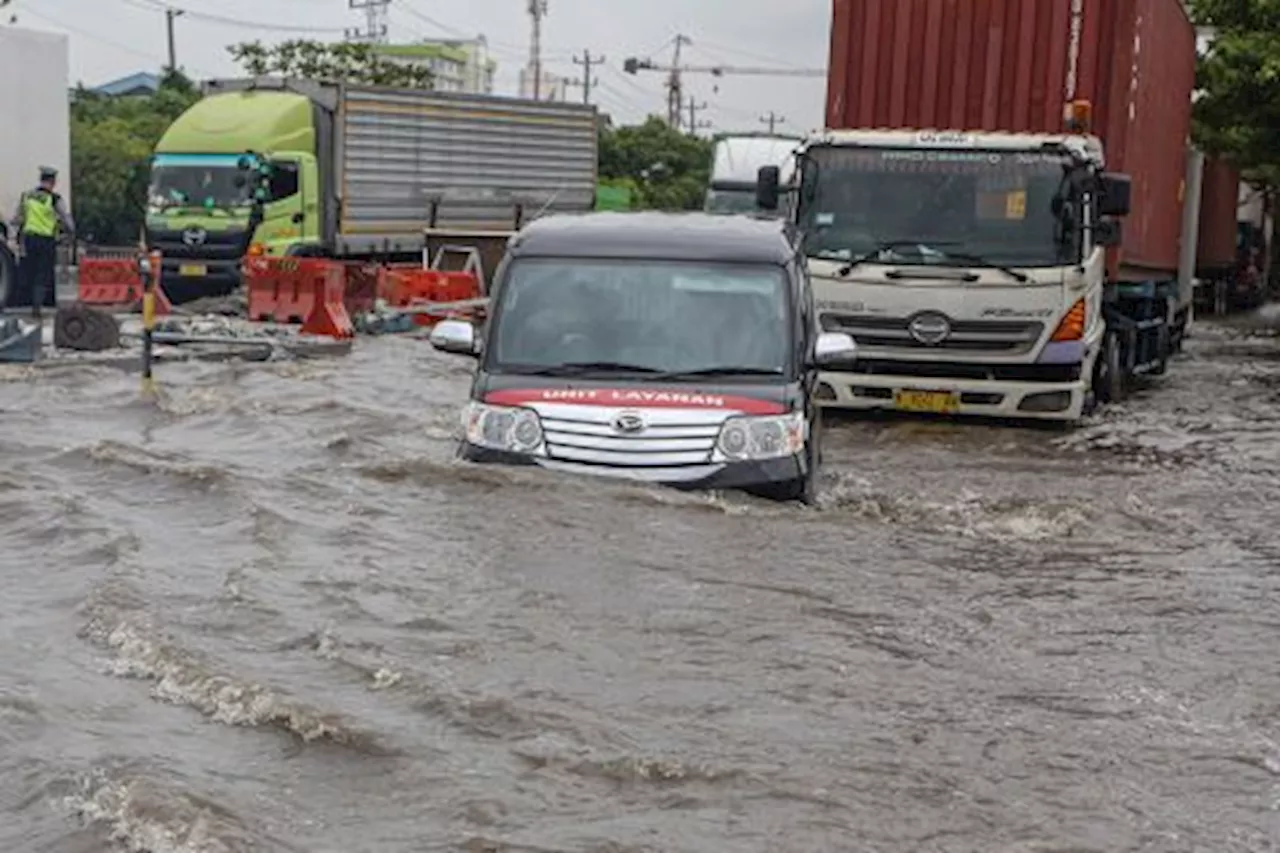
35, 124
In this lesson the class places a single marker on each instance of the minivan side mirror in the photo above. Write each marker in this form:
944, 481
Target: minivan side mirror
454, 336
1114, 194
834, 348
768, 187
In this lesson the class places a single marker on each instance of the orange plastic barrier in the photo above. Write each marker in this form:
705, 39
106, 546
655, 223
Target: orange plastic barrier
281, 289
328, 315
114, 280
406, 287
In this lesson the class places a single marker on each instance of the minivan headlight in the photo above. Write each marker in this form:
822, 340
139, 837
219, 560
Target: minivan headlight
753, 437
512, 428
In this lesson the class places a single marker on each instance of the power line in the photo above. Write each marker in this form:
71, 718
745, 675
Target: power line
586, 62
156, 5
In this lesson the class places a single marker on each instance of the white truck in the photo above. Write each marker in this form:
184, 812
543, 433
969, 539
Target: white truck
735, 164
35, 124
971, 269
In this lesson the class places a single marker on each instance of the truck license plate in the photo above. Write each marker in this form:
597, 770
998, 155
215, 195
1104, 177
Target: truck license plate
935, 402
193, 270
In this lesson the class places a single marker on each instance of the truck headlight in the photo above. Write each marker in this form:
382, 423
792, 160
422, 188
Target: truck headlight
511, 428
761, 437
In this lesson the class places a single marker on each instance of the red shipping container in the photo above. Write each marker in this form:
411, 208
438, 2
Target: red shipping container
1012, 65
1219, 211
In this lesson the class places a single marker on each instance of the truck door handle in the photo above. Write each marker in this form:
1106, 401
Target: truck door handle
298, 217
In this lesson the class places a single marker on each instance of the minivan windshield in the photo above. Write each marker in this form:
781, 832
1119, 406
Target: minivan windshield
604, 317
931, 206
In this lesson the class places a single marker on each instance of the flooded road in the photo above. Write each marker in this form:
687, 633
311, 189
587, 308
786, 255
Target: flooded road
272, 614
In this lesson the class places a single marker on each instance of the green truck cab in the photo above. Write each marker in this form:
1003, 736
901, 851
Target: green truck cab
200, 199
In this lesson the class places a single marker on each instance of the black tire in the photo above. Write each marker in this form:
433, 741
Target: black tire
8, 274
1109, 381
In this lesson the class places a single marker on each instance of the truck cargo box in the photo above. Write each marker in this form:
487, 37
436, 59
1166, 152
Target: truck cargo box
1012, 65
35, 121
1219, 204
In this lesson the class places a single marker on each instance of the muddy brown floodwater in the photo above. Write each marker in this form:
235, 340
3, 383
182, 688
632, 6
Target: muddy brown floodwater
273, 614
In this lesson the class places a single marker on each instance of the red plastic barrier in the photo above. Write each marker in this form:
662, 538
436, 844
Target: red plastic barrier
406, 287
328, 315
116, 281
279, 289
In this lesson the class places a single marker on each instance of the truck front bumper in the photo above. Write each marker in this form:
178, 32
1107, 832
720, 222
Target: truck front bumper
1052, 401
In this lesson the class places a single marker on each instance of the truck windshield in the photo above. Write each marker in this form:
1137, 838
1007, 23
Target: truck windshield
643, 317
996, 206
207, 181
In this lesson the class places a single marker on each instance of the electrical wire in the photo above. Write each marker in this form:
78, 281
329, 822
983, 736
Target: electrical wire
238, 23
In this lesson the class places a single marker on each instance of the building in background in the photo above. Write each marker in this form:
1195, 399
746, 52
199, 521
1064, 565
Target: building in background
139, 83
459, 65
554, 86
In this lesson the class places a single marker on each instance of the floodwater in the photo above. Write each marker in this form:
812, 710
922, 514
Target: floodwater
271, 613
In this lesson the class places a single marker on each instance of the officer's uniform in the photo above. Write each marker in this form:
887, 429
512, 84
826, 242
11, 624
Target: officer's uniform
41, 212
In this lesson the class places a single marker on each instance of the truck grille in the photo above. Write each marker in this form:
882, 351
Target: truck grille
683, 439
218, 246
1002, 337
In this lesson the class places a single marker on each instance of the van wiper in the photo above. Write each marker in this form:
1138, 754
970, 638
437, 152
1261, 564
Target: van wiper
723, 371
579, 368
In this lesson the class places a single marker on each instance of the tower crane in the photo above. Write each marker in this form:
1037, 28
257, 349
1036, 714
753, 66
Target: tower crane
674, 71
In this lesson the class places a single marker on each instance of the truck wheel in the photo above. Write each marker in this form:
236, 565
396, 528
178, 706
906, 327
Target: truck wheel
1108, 381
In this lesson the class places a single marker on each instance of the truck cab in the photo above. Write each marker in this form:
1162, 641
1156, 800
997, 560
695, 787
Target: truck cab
735, 164
969, 267
201, 192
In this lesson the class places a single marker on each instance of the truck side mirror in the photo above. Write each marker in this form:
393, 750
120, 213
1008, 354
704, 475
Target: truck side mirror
768, 187
1115, 194
1108, 233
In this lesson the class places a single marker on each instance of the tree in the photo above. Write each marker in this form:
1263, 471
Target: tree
111, 144
1238, 112
340, 61
668, 169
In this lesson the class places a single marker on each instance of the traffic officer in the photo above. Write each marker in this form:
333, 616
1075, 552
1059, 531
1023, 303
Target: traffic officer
41, 212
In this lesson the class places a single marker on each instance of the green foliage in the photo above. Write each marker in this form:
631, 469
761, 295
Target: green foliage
669, 169
340, 61
111, 144
1238, 115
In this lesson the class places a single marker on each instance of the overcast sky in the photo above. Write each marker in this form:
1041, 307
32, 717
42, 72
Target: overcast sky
111, 38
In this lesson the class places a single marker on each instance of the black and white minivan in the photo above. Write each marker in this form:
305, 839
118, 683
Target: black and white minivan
679, 349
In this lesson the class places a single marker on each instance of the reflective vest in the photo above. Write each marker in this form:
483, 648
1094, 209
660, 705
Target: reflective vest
39, 219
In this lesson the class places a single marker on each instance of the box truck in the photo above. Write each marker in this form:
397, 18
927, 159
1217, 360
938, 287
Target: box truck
35, 124
999, 208
735, 163
355, 172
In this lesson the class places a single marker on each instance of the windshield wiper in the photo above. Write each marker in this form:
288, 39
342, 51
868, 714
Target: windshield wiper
580, 368
726, 370
941, 248
880, 247
981, 261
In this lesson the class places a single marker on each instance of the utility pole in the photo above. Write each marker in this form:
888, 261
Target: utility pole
694, 108
169, 15
537, 10
773, 119
675, 91
375, 21
586, 62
